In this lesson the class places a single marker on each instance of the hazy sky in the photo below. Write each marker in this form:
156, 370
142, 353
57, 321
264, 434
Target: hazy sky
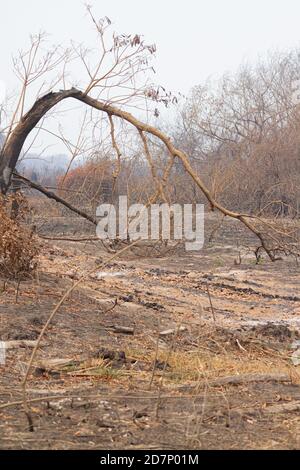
194, 38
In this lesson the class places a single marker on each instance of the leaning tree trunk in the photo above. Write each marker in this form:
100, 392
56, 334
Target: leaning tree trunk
11, 150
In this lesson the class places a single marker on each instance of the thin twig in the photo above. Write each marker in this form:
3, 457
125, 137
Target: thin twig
211, 304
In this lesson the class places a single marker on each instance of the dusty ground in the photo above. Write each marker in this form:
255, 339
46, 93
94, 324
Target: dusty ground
105, 392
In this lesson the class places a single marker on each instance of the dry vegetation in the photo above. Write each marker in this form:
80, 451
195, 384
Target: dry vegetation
18, 247
123, 344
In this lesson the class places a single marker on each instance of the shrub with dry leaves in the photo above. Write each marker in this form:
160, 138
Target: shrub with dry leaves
18, 247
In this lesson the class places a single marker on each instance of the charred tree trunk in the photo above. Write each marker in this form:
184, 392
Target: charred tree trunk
11, 150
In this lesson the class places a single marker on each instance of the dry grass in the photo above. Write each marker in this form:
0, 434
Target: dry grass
196, 365
200, 365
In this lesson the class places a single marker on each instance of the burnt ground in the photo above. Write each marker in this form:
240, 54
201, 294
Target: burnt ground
137, 357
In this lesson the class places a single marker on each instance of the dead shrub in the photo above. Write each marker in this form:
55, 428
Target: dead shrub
18, 247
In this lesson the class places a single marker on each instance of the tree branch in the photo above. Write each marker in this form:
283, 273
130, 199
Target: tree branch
56, 198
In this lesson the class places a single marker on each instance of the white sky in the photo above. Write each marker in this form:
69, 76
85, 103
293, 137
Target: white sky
195, 38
